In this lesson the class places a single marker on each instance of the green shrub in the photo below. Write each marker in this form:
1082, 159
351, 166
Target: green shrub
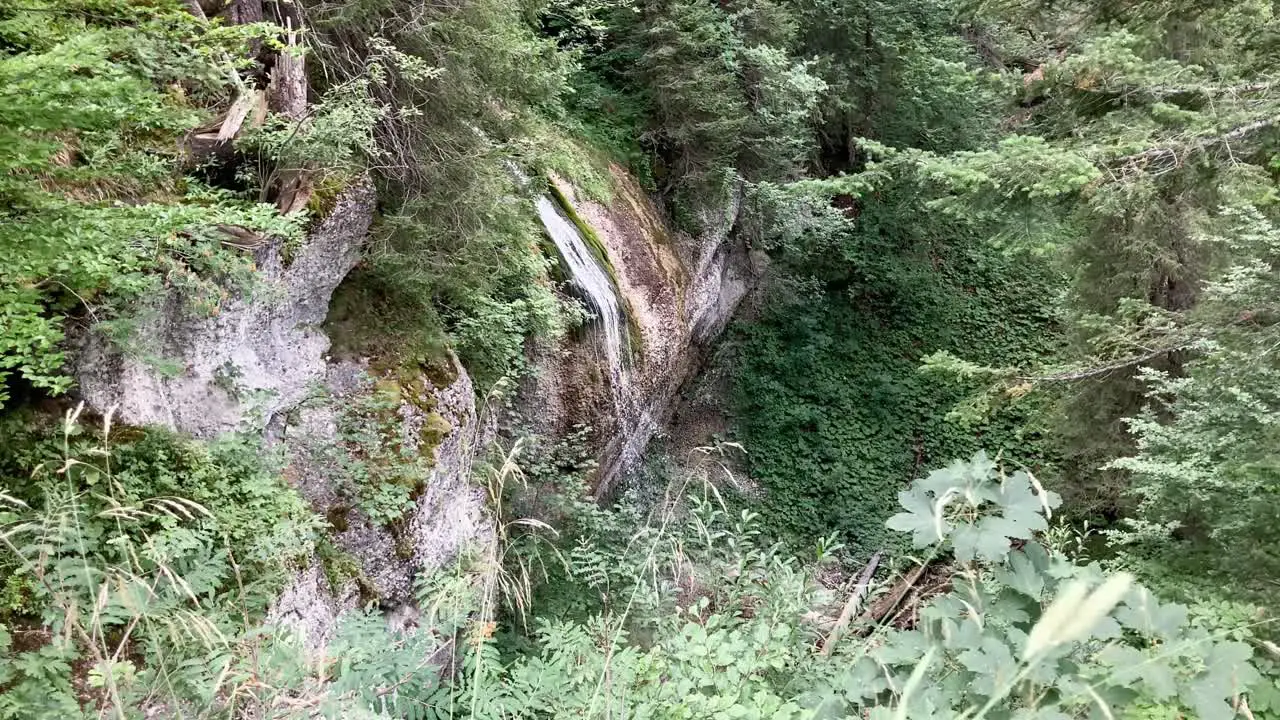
827, 394
456, 255
250, 518
94, 208
149, 560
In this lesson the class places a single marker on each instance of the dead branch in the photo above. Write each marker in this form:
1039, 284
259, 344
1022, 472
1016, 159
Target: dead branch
1107, 369
852, 604
888, 603
1172, 157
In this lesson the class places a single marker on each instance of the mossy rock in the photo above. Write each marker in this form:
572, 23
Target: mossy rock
337, 517
588, 234
434, 430
388, 390
339, 566
404, 548
416, 392
440, 369
324, 194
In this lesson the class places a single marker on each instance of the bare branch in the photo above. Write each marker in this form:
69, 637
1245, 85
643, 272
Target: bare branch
1099, 370
1167, 158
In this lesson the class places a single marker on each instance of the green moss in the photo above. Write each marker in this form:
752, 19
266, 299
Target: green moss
337, 517
587, 232
338, 565
557, 152
324, 195
365, 321
434, 430
439, 368
404, 548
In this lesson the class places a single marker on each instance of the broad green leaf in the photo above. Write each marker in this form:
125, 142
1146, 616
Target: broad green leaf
1229, 664
985, 541
1022, 508
1020, 573
940, 482
903, 648
1144, 613
1208, 701
865, 679
993, 663
1130, 665
919, 519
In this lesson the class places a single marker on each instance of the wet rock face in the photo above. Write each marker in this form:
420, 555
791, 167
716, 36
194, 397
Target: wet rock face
679, 291
241, 368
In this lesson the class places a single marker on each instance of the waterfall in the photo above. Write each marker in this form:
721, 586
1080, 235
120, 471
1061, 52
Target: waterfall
586, 273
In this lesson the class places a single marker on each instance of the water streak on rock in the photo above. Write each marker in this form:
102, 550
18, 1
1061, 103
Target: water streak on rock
587, 274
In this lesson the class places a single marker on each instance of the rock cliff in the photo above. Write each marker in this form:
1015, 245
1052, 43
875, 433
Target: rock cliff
679, 290
239, 369
261, 366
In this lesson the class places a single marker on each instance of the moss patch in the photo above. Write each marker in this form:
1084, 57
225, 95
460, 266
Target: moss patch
587, 232
364, 321
324, 194
337, 517
339, 566
554, 151
434, 430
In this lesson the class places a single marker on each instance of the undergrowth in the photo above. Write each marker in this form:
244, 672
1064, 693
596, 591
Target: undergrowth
686, 610
827, 392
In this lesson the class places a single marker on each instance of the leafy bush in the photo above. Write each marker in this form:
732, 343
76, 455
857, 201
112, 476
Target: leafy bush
827, 396
456, 256
728, 627
250, 524
95, 208
147, 560
696, 616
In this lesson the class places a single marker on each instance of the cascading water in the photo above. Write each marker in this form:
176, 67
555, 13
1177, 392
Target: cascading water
591, 279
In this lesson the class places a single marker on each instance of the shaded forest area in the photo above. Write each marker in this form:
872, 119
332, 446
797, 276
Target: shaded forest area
1007, 394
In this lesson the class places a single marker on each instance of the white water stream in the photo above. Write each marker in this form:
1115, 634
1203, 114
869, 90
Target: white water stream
586, 273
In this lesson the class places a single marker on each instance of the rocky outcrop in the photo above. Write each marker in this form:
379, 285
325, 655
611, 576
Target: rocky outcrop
438, 421
679, 290
245, 365
260, 365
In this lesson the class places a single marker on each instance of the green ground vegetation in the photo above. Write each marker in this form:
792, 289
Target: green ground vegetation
1043, 231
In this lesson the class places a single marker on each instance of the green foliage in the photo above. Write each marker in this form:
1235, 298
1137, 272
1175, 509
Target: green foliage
96, 211
697, 616
697, 102
382, 469
1154, 137
452, 260
895, 72
827, 397
923, 173
248, 519
1205, 463
1022, 509
146, 555
1021, 631
726, 96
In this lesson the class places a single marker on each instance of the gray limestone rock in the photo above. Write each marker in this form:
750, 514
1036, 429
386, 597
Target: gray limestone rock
448, 515
241, 368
